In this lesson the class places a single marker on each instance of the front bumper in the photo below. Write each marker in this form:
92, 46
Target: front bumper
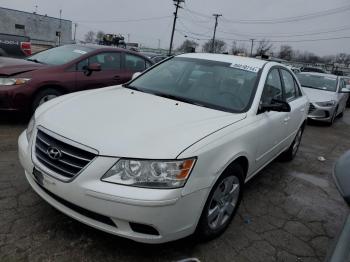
320, 113
14, 98
170, 213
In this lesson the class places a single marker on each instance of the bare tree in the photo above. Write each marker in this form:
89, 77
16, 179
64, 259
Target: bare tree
342, 58
264, 47
99, 35
90, 37
286, 52
219, 46
188, 46
239, 49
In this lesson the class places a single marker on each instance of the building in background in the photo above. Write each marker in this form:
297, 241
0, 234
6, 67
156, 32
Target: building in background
44, 31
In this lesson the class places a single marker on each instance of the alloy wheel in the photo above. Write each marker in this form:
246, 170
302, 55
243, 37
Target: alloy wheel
223, 202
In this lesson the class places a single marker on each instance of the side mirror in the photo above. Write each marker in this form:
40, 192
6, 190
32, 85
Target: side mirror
136, 75
275, 105
341, 176
94, 67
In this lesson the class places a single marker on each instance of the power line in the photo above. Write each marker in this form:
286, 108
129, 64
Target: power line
250, 34
280, 20
124, 20
277, 35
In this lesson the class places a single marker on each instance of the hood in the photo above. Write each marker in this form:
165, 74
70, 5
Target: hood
124, 123
12, 66
317, 95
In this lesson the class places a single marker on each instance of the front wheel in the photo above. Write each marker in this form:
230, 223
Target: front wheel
44, 96
334, 116
222, 204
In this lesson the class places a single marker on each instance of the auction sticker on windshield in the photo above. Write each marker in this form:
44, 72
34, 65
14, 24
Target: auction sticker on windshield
79, 51
246, 67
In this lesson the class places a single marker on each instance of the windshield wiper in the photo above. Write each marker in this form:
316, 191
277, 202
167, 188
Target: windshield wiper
131, 87
34, 60
177, 98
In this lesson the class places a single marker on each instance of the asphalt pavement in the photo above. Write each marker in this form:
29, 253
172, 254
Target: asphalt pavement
290, 212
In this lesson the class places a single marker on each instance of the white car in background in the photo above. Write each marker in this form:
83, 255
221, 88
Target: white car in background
328, 95
167, 154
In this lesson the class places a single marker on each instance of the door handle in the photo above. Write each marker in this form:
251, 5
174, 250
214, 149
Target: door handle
302, 110
286, 119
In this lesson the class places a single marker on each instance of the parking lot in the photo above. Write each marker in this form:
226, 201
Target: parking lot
290, 212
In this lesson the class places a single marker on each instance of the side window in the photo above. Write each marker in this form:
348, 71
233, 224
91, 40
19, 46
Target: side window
82, 64
273, 87
134, 63
148, 64
297, 88
342, 84
289, 86
108, 61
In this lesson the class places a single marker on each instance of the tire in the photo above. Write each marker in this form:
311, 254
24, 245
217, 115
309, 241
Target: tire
334, 116
222, 204
44, 96
292, 151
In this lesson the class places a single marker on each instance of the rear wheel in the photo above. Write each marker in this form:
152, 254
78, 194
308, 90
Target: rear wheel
222, 204
44, 96
292, 151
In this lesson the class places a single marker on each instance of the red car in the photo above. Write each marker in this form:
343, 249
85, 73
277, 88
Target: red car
27, 83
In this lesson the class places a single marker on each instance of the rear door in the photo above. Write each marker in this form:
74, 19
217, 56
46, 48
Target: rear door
135, 63
112, 71
298, 104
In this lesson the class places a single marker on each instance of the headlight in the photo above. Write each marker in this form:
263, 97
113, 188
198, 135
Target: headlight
30, 128
150, 173
13, 81
326, 103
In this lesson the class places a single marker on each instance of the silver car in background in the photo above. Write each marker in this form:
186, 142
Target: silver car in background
327, 93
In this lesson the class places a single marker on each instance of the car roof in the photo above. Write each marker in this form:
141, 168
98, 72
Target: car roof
320, 74
96, 46
227, 59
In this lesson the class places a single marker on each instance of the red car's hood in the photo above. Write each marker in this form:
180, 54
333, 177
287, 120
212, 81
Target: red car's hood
13, 66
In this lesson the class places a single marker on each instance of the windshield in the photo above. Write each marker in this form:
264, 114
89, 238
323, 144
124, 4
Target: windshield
212, 84
59, 55
326, 83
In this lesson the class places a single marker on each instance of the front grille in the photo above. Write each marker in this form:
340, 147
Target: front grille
71, 159
311, 108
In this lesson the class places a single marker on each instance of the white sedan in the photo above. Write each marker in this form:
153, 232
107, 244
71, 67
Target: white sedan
328, 95
167, 154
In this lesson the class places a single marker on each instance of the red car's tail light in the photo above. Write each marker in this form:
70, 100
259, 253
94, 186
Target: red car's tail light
26, 48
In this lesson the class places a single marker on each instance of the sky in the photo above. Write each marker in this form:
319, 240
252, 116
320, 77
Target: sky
150, 22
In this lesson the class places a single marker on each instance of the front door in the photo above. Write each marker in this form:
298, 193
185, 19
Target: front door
273, 125
112, 72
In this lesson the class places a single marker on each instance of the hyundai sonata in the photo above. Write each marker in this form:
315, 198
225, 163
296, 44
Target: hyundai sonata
167, 154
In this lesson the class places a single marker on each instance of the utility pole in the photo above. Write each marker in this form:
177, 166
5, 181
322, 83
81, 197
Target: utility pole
158, 44
59, 32
177, 4
128, 38
251, 48
216, 24
75, 31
